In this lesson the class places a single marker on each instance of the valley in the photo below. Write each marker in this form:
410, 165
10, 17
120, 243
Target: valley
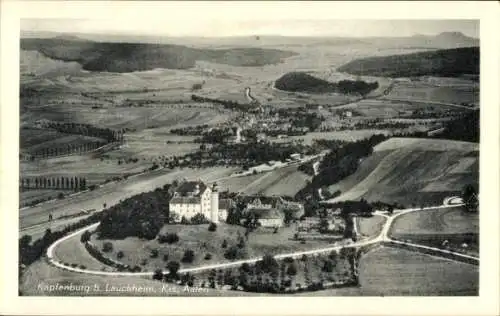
110, 131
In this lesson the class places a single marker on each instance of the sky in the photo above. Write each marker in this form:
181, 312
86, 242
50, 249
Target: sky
209, 26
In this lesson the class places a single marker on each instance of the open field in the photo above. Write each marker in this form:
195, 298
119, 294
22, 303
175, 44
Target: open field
390, 271
95, 170
386, 108
73, 251
451, 228
284, 181
446, 221
370, 226
456, 94
28, 196
132, 118
201, 241
33, 140
400, 171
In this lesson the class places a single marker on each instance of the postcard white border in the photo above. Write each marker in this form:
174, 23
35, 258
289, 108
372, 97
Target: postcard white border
485, 303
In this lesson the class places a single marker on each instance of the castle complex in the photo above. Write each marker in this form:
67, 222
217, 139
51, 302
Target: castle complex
195, 197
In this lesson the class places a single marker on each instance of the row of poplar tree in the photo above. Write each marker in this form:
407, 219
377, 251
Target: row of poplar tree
61, 183
86, 130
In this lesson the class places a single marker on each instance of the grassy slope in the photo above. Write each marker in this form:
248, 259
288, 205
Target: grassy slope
284, 181
433, 227
399, 272
446, 221
192, 237
388, 271
127, 57
400, 170
442, 63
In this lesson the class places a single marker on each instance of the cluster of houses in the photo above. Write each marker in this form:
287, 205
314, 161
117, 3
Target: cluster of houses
195, 197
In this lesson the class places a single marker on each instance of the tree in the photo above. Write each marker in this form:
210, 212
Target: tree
212, 227
188, 256
268, 263
328, 266
173, 268
85, 236
169, 238
224, 244
154, 253
323, 225
173, 217
469, 197
107, 247
390, 209
158, 275
292, 270
120, 254
198, 219
234, 252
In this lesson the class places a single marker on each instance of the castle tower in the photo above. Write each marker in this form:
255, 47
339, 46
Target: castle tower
214, 204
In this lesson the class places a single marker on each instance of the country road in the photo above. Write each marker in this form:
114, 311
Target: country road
382, 237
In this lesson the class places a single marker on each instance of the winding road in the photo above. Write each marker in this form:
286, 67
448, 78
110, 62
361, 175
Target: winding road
382, 237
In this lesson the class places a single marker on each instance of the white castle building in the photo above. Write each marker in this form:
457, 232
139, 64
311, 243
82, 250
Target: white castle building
195, 197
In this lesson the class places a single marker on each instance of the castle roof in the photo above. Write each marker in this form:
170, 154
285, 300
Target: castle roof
185, 200
188, 188
267, 213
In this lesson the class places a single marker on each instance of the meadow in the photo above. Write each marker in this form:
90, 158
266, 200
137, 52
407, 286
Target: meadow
390, 271
370, 226
202, 241
284, 181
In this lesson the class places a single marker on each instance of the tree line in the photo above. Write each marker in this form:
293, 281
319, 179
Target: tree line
86, 130
227, 104
66, 150
60, 183
342, 161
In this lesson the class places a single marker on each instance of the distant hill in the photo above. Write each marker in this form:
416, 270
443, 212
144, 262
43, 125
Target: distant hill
442, 63
303, 82
441, 41
128, 57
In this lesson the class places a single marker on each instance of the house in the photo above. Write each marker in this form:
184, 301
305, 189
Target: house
268, 217
236, 137
195, 197
270, 211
